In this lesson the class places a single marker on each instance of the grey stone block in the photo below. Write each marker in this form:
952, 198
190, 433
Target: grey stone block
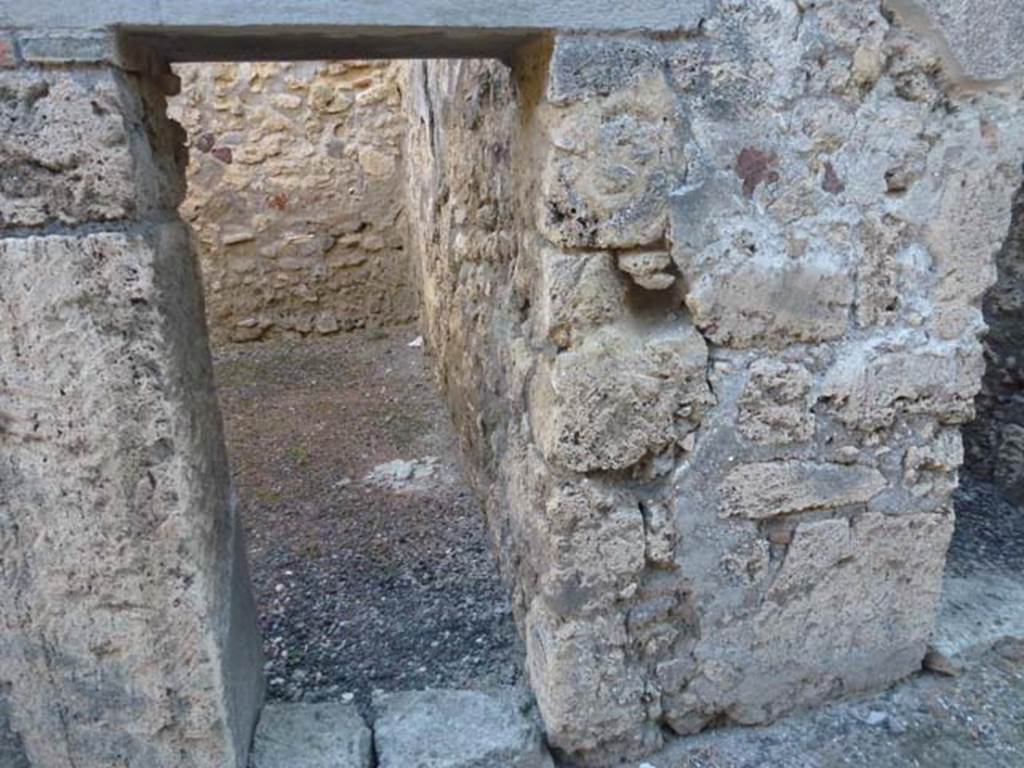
80, 48
311, 736
456, 729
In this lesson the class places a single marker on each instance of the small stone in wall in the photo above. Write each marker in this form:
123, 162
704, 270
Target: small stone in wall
616, 398
326, 323
659, 534
223, 154
831, 182
648, 268
238, 236
286, 100
765, 489
205, 142
375, 162
775, 406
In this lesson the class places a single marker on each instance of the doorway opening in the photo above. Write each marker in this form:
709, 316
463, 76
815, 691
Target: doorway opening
984, 584
369, 554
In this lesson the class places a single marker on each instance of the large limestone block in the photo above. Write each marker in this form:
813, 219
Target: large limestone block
751, 282
78, 146
456, 729
870, 385
612, 163
851, 607
621, 394
963, 239
311, 736
766, 489
590, 546
128, 628
586, 690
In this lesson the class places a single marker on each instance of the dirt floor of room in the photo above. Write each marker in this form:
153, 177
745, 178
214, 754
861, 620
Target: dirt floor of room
369, 554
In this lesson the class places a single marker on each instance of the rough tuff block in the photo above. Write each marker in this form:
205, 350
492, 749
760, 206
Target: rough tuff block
619, 396
311, 736
611, 165
84, 145
127, 621
456, 729
837, 616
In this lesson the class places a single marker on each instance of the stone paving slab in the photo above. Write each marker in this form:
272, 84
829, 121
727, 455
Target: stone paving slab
456, 729
311, 736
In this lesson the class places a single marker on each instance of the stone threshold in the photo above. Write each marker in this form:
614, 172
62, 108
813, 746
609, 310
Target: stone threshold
433, 728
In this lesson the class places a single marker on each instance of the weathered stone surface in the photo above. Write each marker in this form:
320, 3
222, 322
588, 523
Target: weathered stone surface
775, 406
749, 291
579, 671
65, 47
972, 50
837, 580
575, 293
128, 624
648, 269
870, 386
298, 735
960, 240
456, 729
612, 162
773, 488
618, 397
78, 147
295, 195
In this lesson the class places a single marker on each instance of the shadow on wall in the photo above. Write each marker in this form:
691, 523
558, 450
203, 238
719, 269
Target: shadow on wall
994, 441
12, 751
295, 189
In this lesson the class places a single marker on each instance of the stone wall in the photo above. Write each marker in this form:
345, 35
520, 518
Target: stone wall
127, 628
705, 306
994, 442
707, 312
295, 182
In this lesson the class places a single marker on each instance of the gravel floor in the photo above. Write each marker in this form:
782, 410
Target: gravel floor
369, 554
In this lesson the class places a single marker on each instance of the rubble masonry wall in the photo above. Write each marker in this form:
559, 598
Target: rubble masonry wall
295, 194
707, 311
